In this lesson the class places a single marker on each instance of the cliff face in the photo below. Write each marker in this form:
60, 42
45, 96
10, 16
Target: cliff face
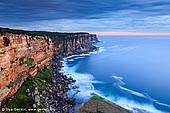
93, 38
21, 55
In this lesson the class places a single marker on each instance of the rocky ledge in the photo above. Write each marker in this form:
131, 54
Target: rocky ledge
97, 104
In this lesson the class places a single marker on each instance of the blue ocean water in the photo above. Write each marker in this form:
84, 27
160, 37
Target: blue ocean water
132, 71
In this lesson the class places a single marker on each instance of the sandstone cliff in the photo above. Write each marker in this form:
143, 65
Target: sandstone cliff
22, 54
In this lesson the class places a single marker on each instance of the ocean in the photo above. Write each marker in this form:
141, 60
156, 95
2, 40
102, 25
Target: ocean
132, 71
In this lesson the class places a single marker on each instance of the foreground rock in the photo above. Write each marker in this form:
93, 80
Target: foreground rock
97, 104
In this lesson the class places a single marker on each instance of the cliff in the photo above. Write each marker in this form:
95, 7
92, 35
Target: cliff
94, 38
23, 52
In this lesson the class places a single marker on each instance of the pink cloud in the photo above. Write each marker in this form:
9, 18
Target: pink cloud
133, 33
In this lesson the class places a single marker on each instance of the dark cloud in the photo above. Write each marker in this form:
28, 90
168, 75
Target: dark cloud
56, 9
15, 12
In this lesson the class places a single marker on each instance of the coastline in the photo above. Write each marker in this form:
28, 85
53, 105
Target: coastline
128, 104
62, 83
58, 88
44, 59
79, 106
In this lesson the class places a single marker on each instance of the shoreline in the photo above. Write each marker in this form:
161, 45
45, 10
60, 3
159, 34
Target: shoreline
43, 58
78, 106
58, 100
132, 108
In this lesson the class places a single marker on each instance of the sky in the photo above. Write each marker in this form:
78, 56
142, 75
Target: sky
86, 15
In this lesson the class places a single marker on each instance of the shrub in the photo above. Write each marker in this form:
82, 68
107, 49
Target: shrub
29, 61
11, 84
41, 81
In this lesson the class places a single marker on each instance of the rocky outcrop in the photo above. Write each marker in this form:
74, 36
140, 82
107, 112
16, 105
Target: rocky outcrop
100, 105
22, 54
94, 38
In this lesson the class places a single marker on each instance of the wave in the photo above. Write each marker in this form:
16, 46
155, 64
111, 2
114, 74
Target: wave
114, 47
162, 104
133, 92
83, 80
134, 106
75, 57
71, 60
119, 80
72, 56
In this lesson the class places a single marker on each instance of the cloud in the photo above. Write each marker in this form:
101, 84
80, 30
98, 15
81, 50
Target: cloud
86, 15
157, 20
114, 23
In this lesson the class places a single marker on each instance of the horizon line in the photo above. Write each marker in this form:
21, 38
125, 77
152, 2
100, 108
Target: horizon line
117, 33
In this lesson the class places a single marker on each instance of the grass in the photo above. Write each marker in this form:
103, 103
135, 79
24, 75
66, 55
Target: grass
22, 58
22, 100
96, 97
29, 61
11, 84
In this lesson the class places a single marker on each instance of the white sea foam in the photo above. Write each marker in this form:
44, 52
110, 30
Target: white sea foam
71, 60
119, 80
117, 77
69, 57
114, 47
119, 83
83, 80
132, 105
162, 104
80, 55
157, 102
133, 92
101, 49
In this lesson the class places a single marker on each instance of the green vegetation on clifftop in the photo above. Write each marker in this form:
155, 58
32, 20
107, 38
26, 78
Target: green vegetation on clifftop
96, 97
38, 33
25, 97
